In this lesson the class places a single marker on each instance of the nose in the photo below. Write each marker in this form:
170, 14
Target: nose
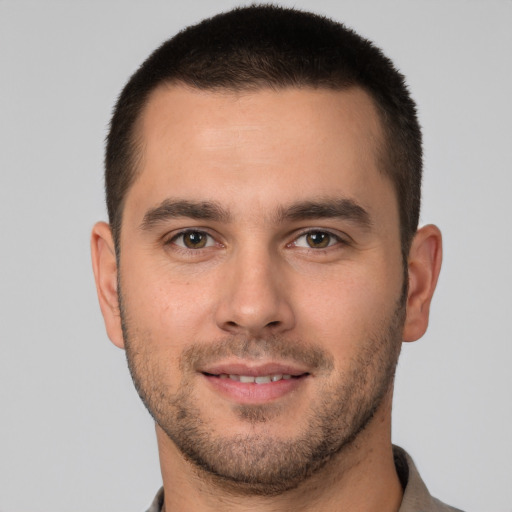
256, 299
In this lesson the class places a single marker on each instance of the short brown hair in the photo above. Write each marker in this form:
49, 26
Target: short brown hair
262, 46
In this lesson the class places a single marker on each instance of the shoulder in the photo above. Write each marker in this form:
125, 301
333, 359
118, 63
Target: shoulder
156, 505
416, 497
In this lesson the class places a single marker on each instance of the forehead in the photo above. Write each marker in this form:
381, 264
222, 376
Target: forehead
258, 147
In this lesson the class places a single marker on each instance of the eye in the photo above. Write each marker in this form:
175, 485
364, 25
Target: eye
193, 240
316, 240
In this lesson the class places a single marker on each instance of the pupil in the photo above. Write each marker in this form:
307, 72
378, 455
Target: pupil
194, 240
318, 239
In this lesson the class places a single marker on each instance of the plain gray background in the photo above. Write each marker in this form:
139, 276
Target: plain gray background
73, 435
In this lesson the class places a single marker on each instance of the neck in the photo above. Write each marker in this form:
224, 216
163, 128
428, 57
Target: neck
362, 477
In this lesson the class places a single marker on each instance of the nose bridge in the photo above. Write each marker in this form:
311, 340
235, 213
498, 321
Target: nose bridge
255, 298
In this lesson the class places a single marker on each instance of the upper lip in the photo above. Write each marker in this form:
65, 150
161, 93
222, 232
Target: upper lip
254, 370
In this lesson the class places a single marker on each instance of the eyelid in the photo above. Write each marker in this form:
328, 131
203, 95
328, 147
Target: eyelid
171, 239
339, 238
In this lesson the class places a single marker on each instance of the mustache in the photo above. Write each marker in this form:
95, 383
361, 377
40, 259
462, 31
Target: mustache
254, 349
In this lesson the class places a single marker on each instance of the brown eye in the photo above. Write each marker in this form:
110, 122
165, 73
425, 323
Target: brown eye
193, 240
318, 239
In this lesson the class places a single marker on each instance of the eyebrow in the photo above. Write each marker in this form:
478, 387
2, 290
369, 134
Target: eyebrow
171, 209
343, 208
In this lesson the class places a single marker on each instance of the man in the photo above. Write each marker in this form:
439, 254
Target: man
262, 264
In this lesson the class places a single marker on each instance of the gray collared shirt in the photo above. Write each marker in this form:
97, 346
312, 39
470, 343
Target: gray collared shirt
416, 496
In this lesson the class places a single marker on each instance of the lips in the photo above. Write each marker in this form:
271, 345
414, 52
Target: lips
257, 370
260, 379
244, 383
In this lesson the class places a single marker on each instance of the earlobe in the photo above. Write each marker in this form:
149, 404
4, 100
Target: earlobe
424, 263
105, 274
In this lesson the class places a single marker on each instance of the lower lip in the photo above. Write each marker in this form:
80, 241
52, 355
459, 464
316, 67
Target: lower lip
252, 393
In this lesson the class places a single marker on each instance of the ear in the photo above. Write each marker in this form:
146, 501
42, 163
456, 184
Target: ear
424, 262
104, 265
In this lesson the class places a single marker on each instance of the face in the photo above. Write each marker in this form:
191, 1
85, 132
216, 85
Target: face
261, 278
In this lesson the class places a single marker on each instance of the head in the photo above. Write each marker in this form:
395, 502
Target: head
263, 173
261, 47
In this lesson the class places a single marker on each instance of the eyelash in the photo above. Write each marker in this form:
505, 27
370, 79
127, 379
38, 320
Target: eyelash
210, 242
182, 234
333, 239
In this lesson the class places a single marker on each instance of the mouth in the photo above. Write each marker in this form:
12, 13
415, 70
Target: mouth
242, 383
259, 379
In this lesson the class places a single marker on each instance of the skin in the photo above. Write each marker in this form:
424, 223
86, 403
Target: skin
258, 284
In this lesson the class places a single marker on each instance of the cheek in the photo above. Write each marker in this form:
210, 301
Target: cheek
349, 307
162, 317
172, 308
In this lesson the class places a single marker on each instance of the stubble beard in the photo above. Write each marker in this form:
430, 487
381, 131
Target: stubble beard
259, 463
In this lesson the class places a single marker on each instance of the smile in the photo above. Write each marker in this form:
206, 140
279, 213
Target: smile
260, 379
245, 385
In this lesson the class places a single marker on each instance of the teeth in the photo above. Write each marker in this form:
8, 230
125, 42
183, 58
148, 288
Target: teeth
263, 379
